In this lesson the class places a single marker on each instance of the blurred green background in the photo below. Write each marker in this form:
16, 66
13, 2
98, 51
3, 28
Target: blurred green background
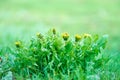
21, 19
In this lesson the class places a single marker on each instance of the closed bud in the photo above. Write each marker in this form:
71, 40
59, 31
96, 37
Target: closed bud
65, 36
77, 37
54, 31
86, 35
39, 35
18, 44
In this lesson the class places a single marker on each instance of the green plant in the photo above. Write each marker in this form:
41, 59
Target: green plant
54, 57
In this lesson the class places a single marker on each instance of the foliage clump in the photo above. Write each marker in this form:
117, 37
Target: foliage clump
53, 56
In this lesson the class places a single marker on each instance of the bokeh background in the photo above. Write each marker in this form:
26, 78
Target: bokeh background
21, 19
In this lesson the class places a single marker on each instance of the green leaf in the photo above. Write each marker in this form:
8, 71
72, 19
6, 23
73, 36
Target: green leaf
68, 46
101, 43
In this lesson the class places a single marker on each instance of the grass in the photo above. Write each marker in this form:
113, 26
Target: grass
20, 20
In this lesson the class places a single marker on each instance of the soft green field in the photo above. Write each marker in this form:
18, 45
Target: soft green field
21, 19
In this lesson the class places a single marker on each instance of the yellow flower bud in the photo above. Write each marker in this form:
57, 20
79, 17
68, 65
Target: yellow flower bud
39, 35
18, 44
65, 36
86, 35
77, 37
